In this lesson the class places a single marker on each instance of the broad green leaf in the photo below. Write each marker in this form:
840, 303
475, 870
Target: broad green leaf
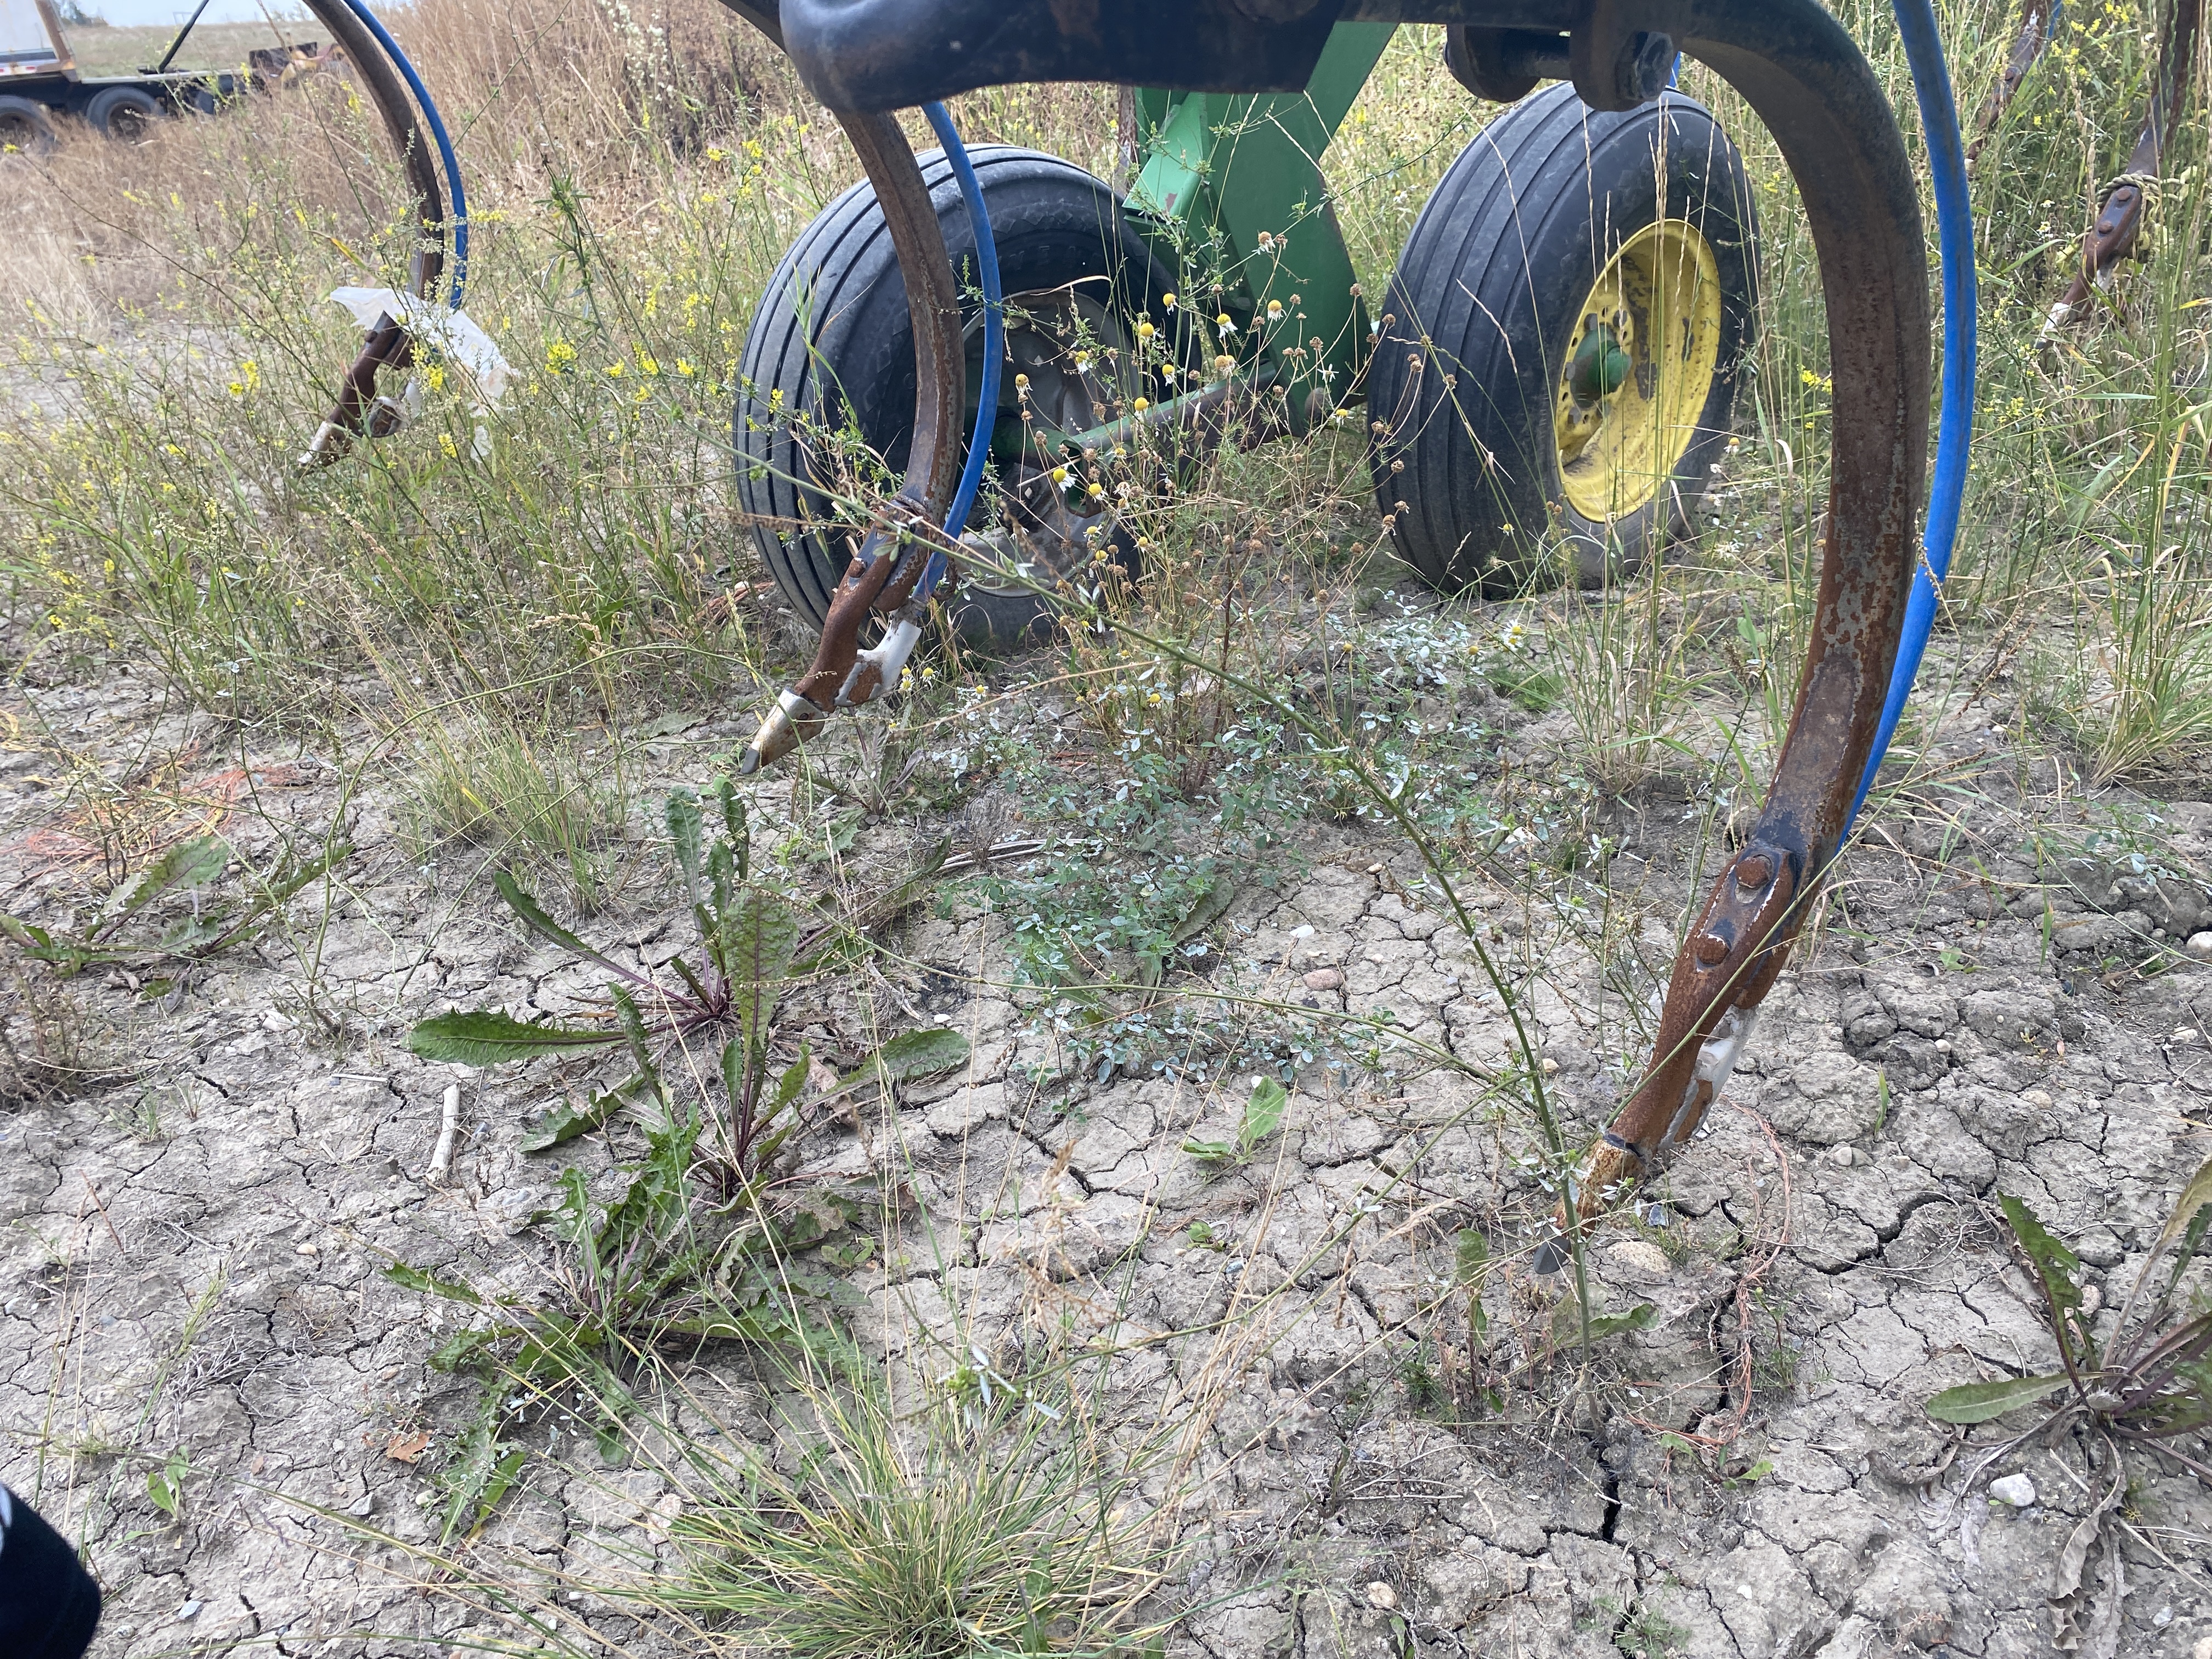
849, 1252
634, 1032
1978, 1402
735, 825
534, 918
573, 1118
1209, 908
2195, 1197
2055, 1266
415, 1279
1210, 1152
1263, 1113
837, 838
187, 865
684, 971
758, 933
1471, 1257
685, 827
792, 1083
23, 933
815, 1217
1638, 1318
191, 936
166, 1485
722, 884
485, 1038
918, 1053
481, 1480
465, 1348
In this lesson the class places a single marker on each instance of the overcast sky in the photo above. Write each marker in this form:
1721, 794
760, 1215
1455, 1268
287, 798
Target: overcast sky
124, 13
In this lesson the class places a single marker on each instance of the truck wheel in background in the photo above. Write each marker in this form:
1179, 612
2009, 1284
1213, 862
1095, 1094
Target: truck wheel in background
25, 126
126, 112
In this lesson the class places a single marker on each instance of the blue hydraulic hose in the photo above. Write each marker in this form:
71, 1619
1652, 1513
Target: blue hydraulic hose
994, 348
438, 136
1954, 225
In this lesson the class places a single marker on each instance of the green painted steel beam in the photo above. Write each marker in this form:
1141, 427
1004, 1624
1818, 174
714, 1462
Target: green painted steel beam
1240, 167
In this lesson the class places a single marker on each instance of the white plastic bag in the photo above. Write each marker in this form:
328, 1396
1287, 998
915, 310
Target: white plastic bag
454, 335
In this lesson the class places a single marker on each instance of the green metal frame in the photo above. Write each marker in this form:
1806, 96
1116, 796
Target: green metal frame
1231, 169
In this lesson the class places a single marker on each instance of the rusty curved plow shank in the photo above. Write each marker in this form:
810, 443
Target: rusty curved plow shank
1807, 80
2114, 234
2027, 46
1809, 83
387, 345
897, 547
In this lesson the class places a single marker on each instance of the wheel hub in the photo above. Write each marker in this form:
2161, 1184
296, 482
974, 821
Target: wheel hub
1639, 369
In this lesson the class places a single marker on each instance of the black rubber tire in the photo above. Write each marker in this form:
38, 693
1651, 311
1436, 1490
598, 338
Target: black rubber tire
1487, 294
832, 334
27, 125
125, 112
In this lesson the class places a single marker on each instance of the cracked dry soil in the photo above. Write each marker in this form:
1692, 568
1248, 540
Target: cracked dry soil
192, 1253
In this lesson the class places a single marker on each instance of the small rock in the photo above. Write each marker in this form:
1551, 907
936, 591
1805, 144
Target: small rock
514, 1208
306, 1249
1324, 979
190, 1610
2017, 1490
2200, 946
362, 1506
1639, 1254
1842, 1154
1380, 1595
2203, 1649
1551, 1067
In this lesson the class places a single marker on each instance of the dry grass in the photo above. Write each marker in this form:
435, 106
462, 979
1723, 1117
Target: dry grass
635, 172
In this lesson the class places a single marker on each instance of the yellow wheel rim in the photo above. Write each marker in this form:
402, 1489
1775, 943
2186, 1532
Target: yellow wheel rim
1639, 368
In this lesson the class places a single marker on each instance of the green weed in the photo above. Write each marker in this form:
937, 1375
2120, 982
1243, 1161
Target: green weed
1261, 1116
2149, 1381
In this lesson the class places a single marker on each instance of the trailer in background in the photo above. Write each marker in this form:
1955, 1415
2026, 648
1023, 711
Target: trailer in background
39, 82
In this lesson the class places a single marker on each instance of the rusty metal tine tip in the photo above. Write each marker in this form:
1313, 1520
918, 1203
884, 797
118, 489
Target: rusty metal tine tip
790, 722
